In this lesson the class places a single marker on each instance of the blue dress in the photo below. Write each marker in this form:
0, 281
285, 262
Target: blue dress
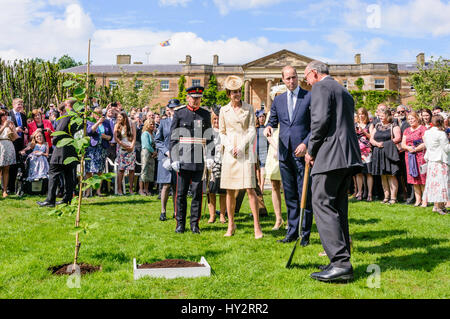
39, 167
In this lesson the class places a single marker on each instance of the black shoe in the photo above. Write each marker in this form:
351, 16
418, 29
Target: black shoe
195, 229
45, 204
304, 242
179, 229
324, 267
62, 202
287, 240
333, 274
163, 217
410, 201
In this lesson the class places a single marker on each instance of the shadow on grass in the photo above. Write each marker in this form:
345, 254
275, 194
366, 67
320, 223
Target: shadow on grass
401, 243
363, 221
370, 235
120, 256
130, 201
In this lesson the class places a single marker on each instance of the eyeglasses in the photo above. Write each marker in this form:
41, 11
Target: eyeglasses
401, 112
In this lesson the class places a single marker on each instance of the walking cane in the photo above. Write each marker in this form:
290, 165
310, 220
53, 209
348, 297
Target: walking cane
302, 209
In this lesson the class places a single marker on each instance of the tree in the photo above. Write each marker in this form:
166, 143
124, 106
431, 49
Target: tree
430, 83
182, 89
135, 92
210, 93
66, 62
359, 83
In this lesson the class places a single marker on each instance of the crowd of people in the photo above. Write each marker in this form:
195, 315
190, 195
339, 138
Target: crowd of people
395, 154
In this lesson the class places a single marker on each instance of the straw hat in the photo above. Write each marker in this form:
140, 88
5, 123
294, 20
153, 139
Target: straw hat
233, 83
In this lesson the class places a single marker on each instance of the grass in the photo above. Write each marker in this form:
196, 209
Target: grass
410, 245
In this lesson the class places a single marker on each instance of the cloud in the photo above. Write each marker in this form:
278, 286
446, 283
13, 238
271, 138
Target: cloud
225, 6
165, 3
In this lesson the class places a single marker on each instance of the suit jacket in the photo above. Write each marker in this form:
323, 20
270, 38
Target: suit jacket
162, 138
19, 143
32, 127
294, 133
333, 142
62, 153
95, 137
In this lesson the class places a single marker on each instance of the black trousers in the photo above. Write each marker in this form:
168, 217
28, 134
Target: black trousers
330, 207
292, 171
54, 173
184, 179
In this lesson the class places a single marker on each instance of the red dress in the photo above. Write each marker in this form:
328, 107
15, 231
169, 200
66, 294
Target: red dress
411, 136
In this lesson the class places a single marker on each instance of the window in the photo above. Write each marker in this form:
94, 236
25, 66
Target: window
165, 85
345, 83
379, 84
139, 84
195, 82
112, 84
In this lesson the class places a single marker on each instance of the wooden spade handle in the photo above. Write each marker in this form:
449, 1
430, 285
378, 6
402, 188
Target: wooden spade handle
305, 187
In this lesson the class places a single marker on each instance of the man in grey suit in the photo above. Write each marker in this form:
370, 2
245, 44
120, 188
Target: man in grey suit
335, 157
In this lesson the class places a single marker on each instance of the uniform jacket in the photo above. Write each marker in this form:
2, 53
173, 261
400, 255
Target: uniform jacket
294, 133
237, 129
333, 142
190, 124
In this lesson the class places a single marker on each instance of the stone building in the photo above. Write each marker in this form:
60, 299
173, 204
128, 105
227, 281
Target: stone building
259, 76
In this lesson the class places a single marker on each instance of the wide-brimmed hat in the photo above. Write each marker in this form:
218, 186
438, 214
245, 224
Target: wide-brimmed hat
173, 103
233, 82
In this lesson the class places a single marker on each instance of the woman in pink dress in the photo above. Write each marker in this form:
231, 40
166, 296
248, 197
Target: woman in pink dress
414, 156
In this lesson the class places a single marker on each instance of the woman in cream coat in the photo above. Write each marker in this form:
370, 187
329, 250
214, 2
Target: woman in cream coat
437, 157
237, 134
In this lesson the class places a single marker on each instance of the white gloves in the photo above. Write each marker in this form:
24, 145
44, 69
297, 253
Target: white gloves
209, 163
176, 166
166, 164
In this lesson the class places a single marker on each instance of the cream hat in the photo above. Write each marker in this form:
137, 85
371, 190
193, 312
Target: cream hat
233, 82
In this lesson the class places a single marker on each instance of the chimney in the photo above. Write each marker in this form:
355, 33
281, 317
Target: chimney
358, 58
188, 59
421, 59
215, 60
124, 59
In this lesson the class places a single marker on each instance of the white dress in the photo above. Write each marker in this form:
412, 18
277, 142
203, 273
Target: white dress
7, 151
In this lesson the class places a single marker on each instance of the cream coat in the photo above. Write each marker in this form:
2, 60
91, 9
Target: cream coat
438, 148
237, 129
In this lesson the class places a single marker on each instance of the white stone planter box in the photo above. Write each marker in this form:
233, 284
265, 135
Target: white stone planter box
170, 273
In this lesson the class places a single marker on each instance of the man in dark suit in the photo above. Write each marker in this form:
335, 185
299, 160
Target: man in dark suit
291, 111
20, 122
57, 166
334, 154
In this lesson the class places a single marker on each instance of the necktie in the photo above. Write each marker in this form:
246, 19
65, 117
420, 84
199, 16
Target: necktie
19, 122
290, 105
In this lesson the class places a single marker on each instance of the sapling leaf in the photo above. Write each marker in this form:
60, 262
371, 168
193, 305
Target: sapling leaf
70, 160
64, 142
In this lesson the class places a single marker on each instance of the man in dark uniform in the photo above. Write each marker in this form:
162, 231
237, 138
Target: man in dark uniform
188, 151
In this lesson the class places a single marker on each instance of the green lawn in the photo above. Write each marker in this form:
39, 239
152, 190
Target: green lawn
410, 245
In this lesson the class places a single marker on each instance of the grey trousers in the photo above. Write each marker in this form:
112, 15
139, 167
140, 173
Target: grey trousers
330, 208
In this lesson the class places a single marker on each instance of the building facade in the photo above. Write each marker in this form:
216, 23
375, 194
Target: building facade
259, 76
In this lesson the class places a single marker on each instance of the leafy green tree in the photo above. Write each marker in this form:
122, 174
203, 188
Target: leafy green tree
210, 93
66, 62
359, 83
182, 89
222, 98
431, 82
135, 92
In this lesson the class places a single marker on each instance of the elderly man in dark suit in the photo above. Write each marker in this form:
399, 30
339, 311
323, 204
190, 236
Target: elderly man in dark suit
335, 157
20, 122
57, 165
291, 110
